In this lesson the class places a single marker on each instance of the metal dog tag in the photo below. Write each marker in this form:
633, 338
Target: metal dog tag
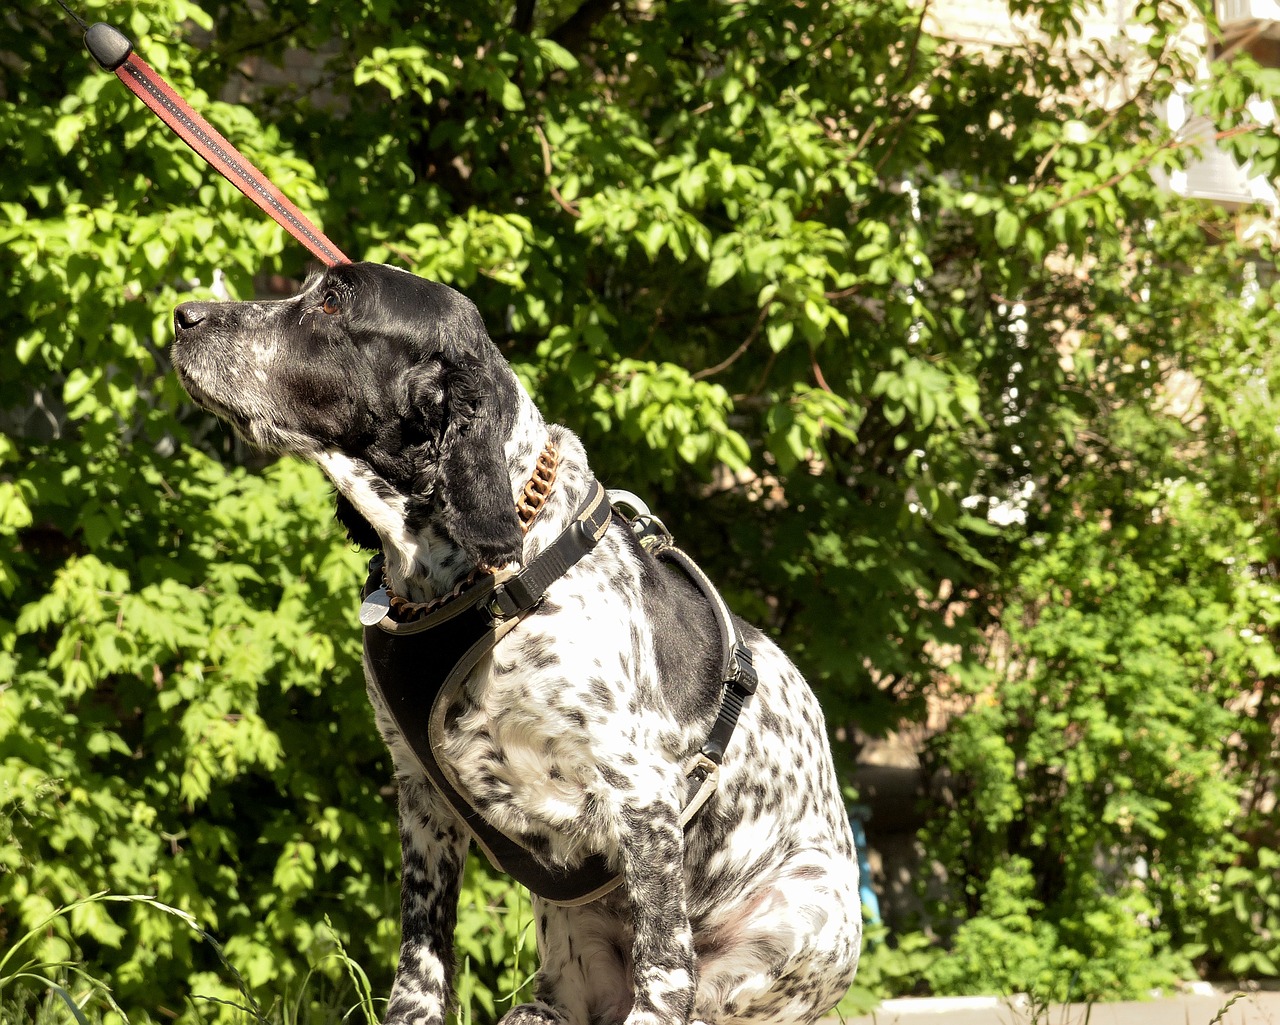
374, 609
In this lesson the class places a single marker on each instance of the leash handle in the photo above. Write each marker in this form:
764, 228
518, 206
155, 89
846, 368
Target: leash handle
114, 52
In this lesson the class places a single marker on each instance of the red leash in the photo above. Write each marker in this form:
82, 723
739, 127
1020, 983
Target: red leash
113, 51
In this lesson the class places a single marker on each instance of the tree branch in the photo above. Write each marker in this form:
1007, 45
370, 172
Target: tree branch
905, 80
574, 31
734, 356
1119, 176
565, 205
1107, 122
522, 21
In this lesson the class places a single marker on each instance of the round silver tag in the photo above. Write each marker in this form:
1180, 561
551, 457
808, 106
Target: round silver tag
374, 609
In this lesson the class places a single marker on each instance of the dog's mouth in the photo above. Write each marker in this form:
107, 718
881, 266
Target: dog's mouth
192, 386
206, 400
202, 368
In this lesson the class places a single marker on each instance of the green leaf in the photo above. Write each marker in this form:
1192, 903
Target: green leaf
1006, 229
511, 97
556, 54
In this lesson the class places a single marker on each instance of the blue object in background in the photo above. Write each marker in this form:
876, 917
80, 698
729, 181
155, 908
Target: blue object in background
858, 814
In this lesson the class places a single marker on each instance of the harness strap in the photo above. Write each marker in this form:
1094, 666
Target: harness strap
738, 673
525, 590
114, 52
396, 663
404, 661
407, 661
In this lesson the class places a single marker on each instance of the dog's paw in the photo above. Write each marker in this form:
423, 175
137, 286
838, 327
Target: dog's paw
533, 1014
646, 1018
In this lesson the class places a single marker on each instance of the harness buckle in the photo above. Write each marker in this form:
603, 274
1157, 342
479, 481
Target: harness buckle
501, 606
628, 503
701, 767
743, 670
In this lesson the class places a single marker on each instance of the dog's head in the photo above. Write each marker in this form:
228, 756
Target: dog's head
387, 380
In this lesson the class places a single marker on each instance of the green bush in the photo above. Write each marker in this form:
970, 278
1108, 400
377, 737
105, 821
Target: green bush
1104, 948
823, 287
1118, 736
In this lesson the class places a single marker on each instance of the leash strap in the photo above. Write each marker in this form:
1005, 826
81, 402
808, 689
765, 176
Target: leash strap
114, 52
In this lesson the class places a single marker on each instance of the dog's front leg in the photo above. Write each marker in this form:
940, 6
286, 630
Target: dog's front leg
434, 850
662, 950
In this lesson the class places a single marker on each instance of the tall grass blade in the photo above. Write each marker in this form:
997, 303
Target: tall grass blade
72, 1006
364, 989
1221, 1016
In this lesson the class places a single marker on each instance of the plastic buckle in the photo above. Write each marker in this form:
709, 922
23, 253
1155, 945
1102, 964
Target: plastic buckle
516, 607
743, 672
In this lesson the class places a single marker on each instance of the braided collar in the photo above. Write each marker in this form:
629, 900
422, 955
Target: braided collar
533, 496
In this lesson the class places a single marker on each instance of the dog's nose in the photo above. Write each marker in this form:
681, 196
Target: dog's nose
189, 315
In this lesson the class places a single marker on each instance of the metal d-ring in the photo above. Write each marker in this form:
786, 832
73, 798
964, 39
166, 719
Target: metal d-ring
645, 525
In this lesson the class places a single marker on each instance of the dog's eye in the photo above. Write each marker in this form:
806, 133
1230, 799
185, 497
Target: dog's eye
330, 303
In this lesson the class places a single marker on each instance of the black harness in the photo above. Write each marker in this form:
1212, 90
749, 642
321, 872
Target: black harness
419, 670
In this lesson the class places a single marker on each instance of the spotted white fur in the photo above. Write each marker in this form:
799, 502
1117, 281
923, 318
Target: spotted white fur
407, 552
574, 732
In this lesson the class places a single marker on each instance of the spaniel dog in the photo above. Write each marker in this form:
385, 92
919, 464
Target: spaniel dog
573, 735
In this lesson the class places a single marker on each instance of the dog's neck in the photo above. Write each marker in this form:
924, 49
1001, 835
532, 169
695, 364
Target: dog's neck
423, 562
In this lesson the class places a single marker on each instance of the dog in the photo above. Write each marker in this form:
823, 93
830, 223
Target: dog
576, 728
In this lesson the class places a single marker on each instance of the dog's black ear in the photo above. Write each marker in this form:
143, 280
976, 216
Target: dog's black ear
474, 485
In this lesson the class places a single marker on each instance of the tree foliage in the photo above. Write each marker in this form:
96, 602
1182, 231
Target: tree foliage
890, 331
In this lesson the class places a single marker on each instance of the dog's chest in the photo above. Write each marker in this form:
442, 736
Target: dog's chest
552, 727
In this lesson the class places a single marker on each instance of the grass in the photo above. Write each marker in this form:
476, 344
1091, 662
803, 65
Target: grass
66, 981
42, 992
1221, 1016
